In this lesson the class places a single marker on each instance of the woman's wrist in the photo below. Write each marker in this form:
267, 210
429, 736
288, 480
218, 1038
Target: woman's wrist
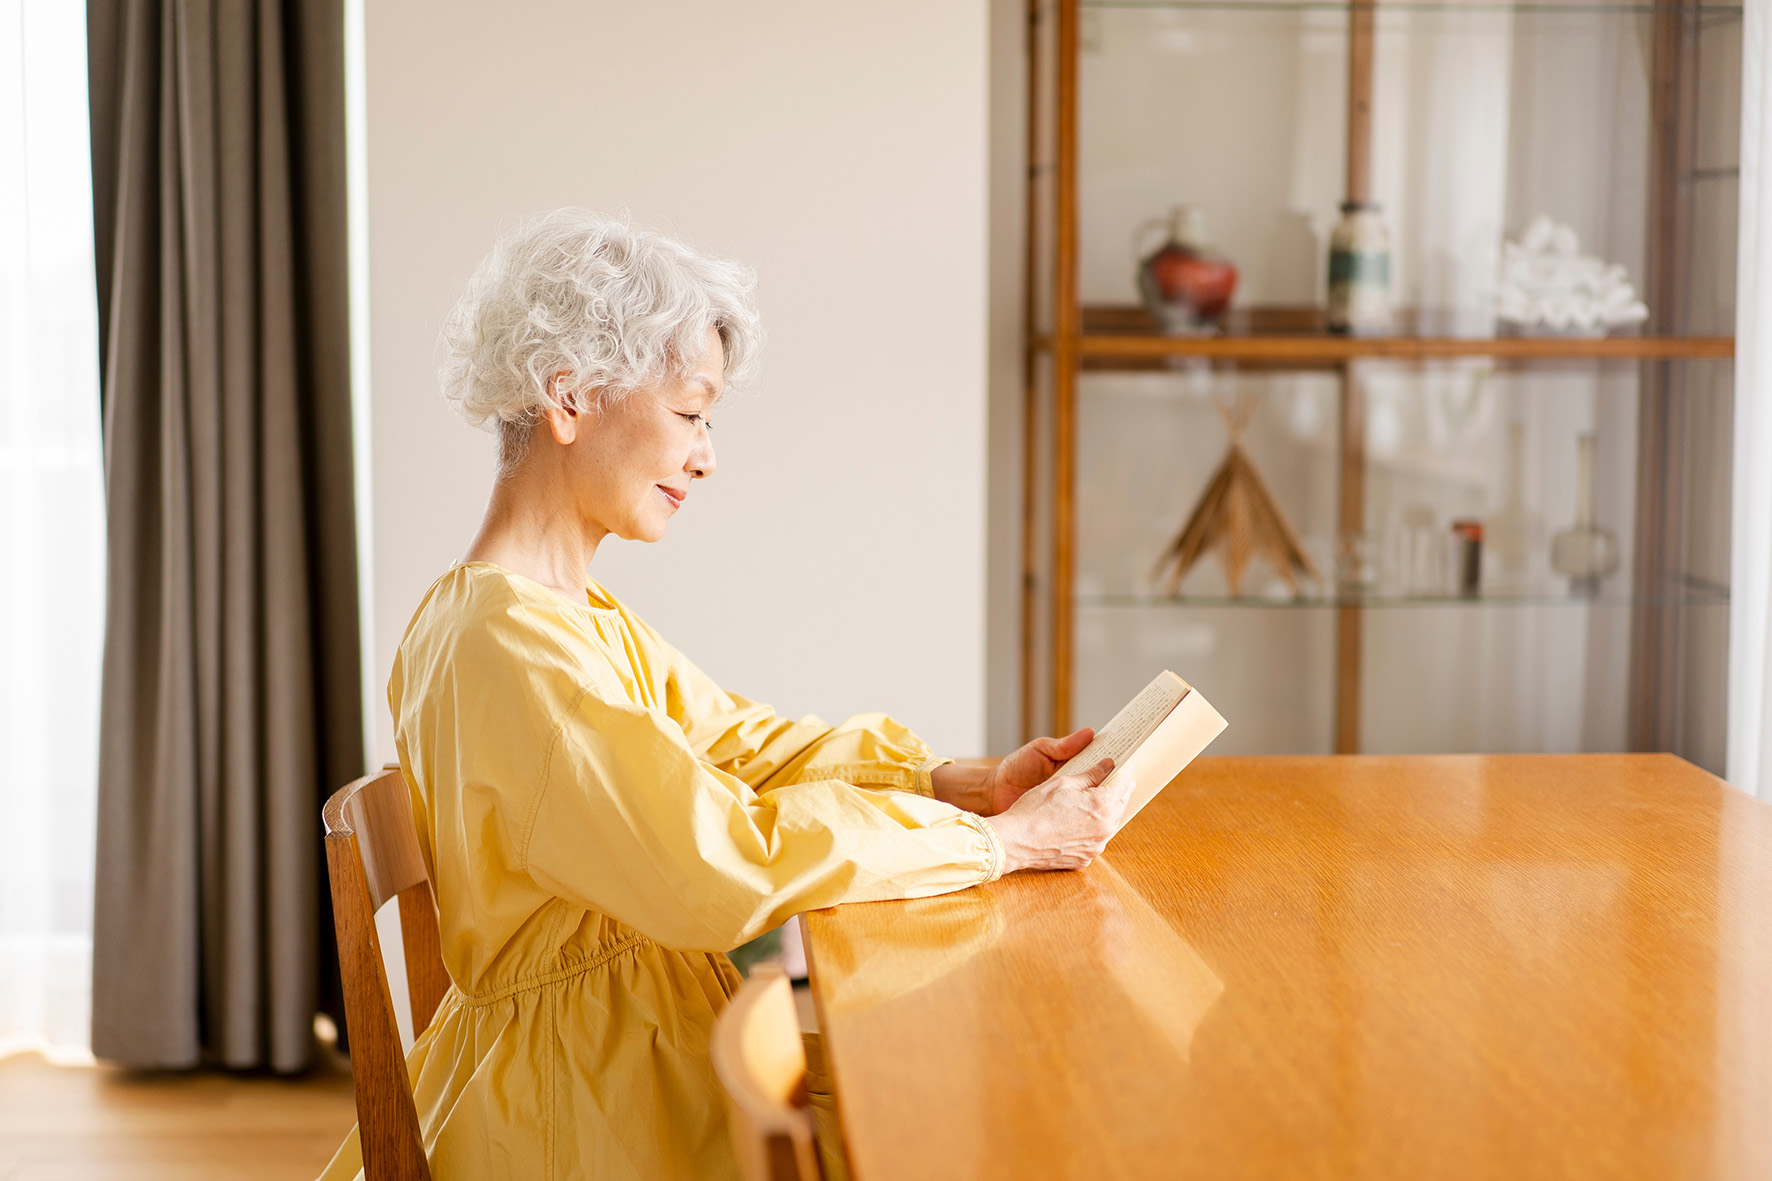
1008, 831
963, 784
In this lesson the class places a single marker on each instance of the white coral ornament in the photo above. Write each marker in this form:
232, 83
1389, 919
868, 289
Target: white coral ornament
1548, 285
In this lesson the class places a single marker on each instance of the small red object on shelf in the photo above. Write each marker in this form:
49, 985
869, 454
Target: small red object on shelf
1186, 286
1467, 537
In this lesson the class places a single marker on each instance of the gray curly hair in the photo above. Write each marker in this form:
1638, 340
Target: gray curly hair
617, 308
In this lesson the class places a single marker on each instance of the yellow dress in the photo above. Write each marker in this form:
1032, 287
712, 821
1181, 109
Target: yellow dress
602, 822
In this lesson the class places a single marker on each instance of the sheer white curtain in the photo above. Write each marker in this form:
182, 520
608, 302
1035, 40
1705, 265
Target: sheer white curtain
51, 530
1750, 599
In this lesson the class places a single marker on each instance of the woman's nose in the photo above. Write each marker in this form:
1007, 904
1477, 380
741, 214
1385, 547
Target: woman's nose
701, 460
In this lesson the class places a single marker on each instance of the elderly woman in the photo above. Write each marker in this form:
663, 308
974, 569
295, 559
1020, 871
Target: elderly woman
601, 821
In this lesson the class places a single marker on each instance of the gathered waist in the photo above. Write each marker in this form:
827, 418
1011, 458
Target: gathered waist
553, 975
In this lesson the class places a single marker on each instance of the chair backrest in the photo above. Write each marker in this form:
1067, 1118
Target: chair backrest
761, 1063
372, 854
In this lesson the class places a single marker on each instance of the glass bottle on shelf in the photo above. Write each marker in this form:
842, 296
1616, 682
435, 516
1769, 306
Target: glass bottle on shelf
1584, 553
1514, 532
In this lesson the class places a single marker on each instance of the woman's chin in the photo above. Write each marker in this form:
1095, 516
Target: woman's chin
643, 531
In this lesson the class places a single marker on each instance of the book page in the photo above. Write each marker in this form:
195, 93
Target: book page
1189, 729
1135, 722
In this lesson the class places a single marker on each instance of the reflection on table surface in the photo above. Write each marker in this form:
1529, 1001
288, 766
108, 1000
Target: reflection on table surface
1515, 966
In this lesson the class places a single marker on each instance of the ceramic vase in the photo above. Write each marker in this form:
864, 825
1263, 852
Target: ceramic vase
1359, 273
1185, 285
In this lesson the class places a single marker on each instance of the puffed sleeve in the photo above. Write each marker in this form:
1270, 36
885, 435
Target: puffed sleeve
630, 820
749, 741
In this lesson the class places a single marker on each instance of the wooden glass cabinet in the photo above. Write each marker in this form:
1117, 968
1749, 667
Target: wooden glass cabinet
1464, 122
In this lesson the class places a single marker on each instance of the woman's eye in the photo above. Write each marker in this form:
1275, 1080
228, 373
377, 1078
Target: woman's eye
696, 418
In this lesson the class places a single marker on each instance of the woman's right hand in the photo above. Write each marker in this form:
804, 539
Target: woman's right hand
1065, 822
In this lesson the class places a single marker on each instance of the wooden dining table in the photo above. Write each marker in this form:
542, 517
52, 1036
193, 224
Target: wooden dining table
1510, 966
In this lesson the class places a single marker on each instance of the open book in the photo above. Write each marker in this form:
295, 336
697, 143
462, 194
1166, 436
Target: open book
1152, 738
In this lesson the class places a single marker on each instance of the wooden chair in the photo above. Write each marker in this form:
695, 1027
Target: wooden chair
761, 1063
372, 854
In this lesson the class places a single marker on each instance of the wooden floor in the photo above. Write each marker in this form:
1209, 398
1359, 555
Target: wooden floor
102, 1124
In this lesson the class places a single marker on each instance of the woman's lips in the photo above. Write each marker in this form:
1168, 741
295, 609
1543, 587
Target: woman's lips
675, 498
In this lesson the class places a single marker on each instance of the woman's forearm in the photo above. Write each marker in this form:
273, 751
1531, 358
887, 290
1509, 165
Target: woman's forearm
962, 783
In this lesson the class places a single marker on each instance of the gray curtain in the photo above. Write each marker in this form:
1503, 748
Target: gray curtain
231, 701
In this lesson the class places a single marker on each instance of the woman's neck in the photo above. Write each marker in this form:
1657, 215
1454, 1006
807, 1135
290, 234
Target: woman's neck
529, 528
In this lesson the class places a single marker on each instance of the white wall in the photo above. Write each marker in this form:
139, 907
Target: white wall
836, 563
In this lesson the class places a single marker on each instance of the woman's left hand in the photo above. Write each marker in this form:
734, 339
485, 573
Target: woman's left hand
988, 787
1029, 767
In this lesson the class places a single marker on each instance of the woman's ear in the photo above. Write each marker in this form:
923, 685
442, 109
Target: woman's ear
562, 424
562, 416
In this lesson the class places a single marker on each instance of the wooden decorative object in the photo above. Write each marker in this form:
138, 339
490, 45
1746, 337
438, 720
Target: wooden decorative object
1238, 517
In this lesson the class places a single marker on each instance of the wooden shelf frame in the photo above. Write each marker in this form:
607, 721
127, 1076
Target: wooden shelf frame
1116, 336
1330, 350
1078, 338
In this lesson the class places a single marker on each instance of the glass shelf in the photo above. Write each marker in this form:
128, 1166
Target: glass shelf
1701, 596
1413, 6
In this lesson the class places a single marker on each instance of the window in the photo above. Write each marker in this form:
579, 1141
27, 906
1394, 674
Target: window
51, 530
